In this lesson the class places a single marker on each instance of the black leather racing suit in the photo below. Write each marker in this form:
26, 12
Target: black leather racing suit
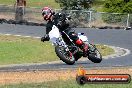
59, 21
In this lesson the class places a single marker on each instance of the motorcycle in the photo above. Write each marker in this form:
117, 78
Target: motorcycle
67, 50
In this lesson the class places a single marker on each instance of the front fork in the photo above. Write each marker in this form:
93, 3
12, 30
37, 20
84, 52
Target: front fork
61, 42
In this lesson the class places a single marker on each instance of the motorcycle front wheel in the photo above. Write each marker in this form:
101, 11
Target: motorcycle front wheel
65, 56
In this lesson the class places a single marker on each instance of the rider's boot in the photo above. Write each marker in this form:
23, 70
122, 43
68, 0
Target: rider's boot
45, 38
85, 50
83, 47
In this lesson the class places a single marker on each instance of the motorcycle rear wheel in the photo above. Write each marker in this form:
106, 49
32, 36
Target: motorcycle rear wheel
94, 54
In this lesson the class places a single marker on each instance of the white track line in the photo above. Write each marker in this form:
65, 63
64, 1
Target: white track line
20, 36
7, 34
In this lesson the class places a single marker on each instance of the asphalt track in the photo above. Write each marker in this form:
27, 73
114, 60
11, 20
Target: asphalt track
118, 38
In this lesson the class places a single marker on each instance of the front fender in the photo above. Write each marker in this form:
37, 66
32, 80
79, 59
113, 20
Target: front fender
83, 37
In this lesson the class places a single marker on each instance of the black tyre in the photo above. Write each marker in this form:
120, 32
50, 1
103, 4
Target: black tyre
94, 54
81, 80
77, 56
64, 55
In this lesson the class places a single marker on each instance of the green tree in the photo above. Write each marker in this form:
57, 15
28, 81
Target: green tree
74, 4
127, 8
126, 1
118, 6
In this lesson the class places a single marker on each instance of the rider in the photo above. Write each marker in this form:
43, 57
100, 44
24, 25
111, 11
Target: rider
59, 20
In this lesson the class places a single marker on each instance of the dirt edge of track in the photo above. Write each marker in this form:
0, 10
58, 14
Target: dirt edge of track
45, 76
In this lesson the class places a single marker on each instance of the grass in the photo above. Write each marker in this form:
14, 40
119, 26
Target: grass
97, 5
18, 50
66, 84
34, 3
105, 50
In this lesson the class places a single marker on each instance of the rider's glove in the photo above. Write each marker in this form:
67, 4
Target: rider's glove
45, 38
